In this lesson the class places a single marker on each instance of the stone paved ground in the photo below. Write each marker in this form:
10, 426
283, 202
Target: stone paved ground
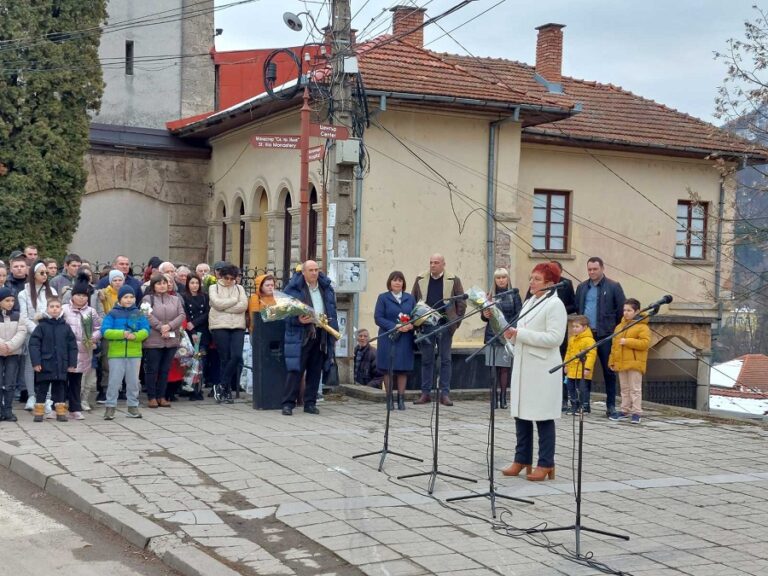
277, 495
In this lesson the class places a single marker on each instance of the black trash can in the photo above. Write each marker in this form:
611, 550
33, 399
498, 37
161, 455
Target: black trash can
268, 363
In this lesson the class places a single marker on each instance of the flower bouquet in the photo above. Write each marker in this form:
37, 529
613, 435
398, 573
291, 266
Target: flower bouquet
193, 375
424, 315
208, 281
87, 324
146, 309
480, 300
287, 306
402, 320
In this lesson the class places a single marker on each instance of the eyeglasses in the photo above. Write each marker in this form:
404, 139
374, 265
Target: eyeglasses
43, 272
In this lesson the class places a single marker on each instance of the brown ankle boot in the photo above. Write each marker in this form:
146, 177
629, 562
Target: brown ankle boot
38, 411
423, 399
61, 411
515, 468
541, 473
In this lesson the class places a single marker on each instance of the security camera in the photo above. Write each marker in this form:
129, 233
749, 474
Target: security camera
292, 21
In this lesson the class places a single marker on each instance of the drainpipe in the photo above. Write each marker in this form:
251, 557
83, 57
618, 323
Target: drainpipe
490, 197
358, 241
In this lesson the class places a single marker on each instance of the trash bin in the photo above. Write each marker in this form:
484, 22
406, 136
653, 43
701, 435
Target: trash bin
268, 363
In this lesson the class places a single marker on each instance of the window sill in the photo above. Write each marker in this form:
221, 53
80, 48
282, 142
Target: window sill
551, 256
691, 262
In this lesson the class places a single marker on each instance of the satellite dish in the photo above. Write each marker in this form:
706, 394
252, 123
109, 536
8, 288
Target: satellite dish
292, 21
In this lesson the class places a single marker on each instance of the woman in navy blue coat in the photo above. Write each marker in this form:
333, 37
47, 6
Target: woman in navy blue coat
389, 306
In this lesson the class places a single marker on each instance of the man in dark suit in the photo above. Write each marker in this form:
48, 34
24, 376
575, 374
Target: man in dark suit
601, 300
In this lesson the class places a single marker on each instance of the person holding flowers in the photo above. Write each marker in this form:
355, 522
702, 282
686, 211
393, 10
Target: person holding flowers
395, 352
86, 325
307, 347
509, 304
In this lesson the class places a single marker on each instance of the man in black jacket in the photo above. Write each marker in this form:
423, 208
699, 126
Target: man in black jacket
601, 300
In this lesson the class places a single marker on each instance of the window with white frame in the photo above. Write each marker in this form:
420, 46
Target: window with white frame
550, 220
691, 235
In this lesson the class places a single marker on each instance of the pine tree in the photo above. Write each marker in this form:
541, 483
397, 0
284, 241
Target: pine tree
50, 77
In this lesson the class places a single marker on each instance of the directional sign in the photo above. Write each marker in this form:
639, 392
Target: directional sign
280, 141
316, 153
329, 131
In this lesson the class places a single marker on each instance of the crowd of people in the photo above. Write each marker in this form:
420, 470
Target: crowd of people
69, 334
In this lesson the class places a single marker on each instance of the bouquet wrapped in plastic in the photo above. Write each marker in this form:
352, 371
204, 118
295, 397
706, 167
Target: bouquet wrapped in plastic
424, 315
480, 300
287, 306
193, 362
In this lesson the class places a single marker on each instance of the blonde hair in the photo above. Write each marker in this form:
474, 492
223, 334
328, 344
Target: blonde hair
500, 272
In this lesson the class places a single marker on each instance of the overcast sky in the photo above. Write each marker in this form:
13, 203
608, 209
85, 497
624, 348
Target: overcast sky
657, 49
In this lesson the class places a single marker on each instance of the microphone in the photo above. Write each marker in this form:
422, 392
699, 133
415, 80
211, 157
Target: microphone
457, 297
510, 291
561, 284
664, 300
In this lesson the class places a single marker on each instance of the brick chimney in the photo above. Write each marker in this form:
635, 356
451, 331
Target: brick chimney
406, 18
549, 53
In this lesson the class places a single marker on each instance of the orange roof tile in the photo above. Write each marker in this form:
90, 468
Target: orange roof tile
754, 372
609, 113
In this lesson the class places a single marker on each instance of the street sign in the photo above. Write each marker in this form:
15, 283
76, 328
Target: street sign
329, 131
280, 141
316, 153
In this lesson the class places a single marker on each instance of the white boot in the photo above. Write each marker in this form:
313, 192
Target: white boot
30, 404
49, 413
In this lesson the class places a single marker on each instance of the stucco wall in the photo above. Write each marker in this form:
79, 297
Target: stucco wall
610, 218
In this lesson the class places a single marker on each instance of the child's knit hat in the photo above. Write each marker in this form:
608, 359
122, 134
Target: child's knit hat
125, 289
81, 285
5, 293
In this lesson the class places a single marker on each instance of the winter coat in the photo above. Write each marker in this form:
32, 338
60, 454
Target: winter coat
197, 309
74, 318
131, 281
385, 315
298, 334
633, 354
576, 344
103, 300
29, 312
228, 306
451, 287
535, 394
12, 332
610, 305
366, 371
121, 320
17, 286
53, 346
257, 301
166, 309
510, 306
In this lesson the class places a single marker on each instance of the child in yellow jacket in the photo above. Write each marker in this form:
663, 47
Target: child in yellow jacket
629, 356
579, 339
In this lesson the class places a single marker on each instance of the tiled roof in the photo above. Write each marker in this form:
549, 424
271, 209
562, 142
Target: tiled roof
610, 114
396, 66
754, 372
734, 393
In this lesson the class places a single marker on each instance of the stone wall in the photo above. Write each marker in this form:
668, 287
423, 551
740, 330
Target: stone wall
150, 204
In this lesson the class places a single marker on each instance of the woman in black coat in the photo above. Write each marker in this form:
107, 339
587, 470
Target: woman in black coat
510, 306
399, 345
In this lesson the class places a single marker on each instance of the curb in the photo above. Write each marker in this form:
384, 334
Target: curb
187, 559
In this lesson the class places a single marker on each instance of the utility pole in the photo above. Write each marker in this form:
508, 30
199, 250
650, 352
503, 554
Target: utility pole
341, 175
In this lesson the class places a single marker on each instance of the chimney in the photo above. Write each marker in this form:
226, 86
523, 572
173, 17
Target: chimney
405, 19
549, 56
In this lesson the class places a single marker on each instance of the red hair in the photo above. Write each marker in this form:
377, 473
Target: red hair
549, 271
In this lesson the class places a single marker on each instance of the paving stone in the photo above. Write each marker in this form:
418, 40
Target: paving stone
130, 525
34, 469
191, 561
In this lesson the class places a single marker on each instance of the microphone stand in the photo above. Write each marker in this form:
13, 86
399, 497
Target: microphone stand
577, 527
491, 494
437, 332
390, 381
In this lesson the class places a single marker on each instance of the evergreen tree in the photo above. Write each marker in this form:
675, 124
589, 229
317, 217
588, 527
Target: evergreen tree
50, 77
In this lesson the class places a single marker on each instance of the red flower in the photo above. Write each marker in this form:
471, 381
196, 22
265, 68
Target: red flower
403, 318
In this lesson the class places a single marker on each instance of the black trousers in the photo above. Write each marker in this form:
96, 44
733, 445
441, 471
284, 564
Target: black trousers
229, 343
9, 371
157, 364
609, 376
524, 447
58, 390
311, 362
74, 381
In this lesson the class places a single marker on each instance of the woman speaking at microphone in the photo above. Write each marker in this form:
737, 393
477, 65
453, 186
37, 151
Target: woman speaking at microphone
535, 394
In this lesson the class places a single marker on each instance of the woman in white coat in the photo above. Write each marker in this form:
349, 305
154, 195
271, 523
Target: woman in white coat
535, 394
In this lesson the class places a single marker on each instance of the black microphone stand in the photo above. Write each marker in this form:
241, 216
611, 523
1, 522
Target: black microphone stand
434, 338
577, 527
492, 494
390, 381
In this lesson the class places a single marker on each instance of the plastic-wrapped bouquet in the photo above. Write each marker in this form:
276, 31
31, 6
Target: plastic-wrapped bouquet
479, 299
146, 309
424, 315
287, 306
